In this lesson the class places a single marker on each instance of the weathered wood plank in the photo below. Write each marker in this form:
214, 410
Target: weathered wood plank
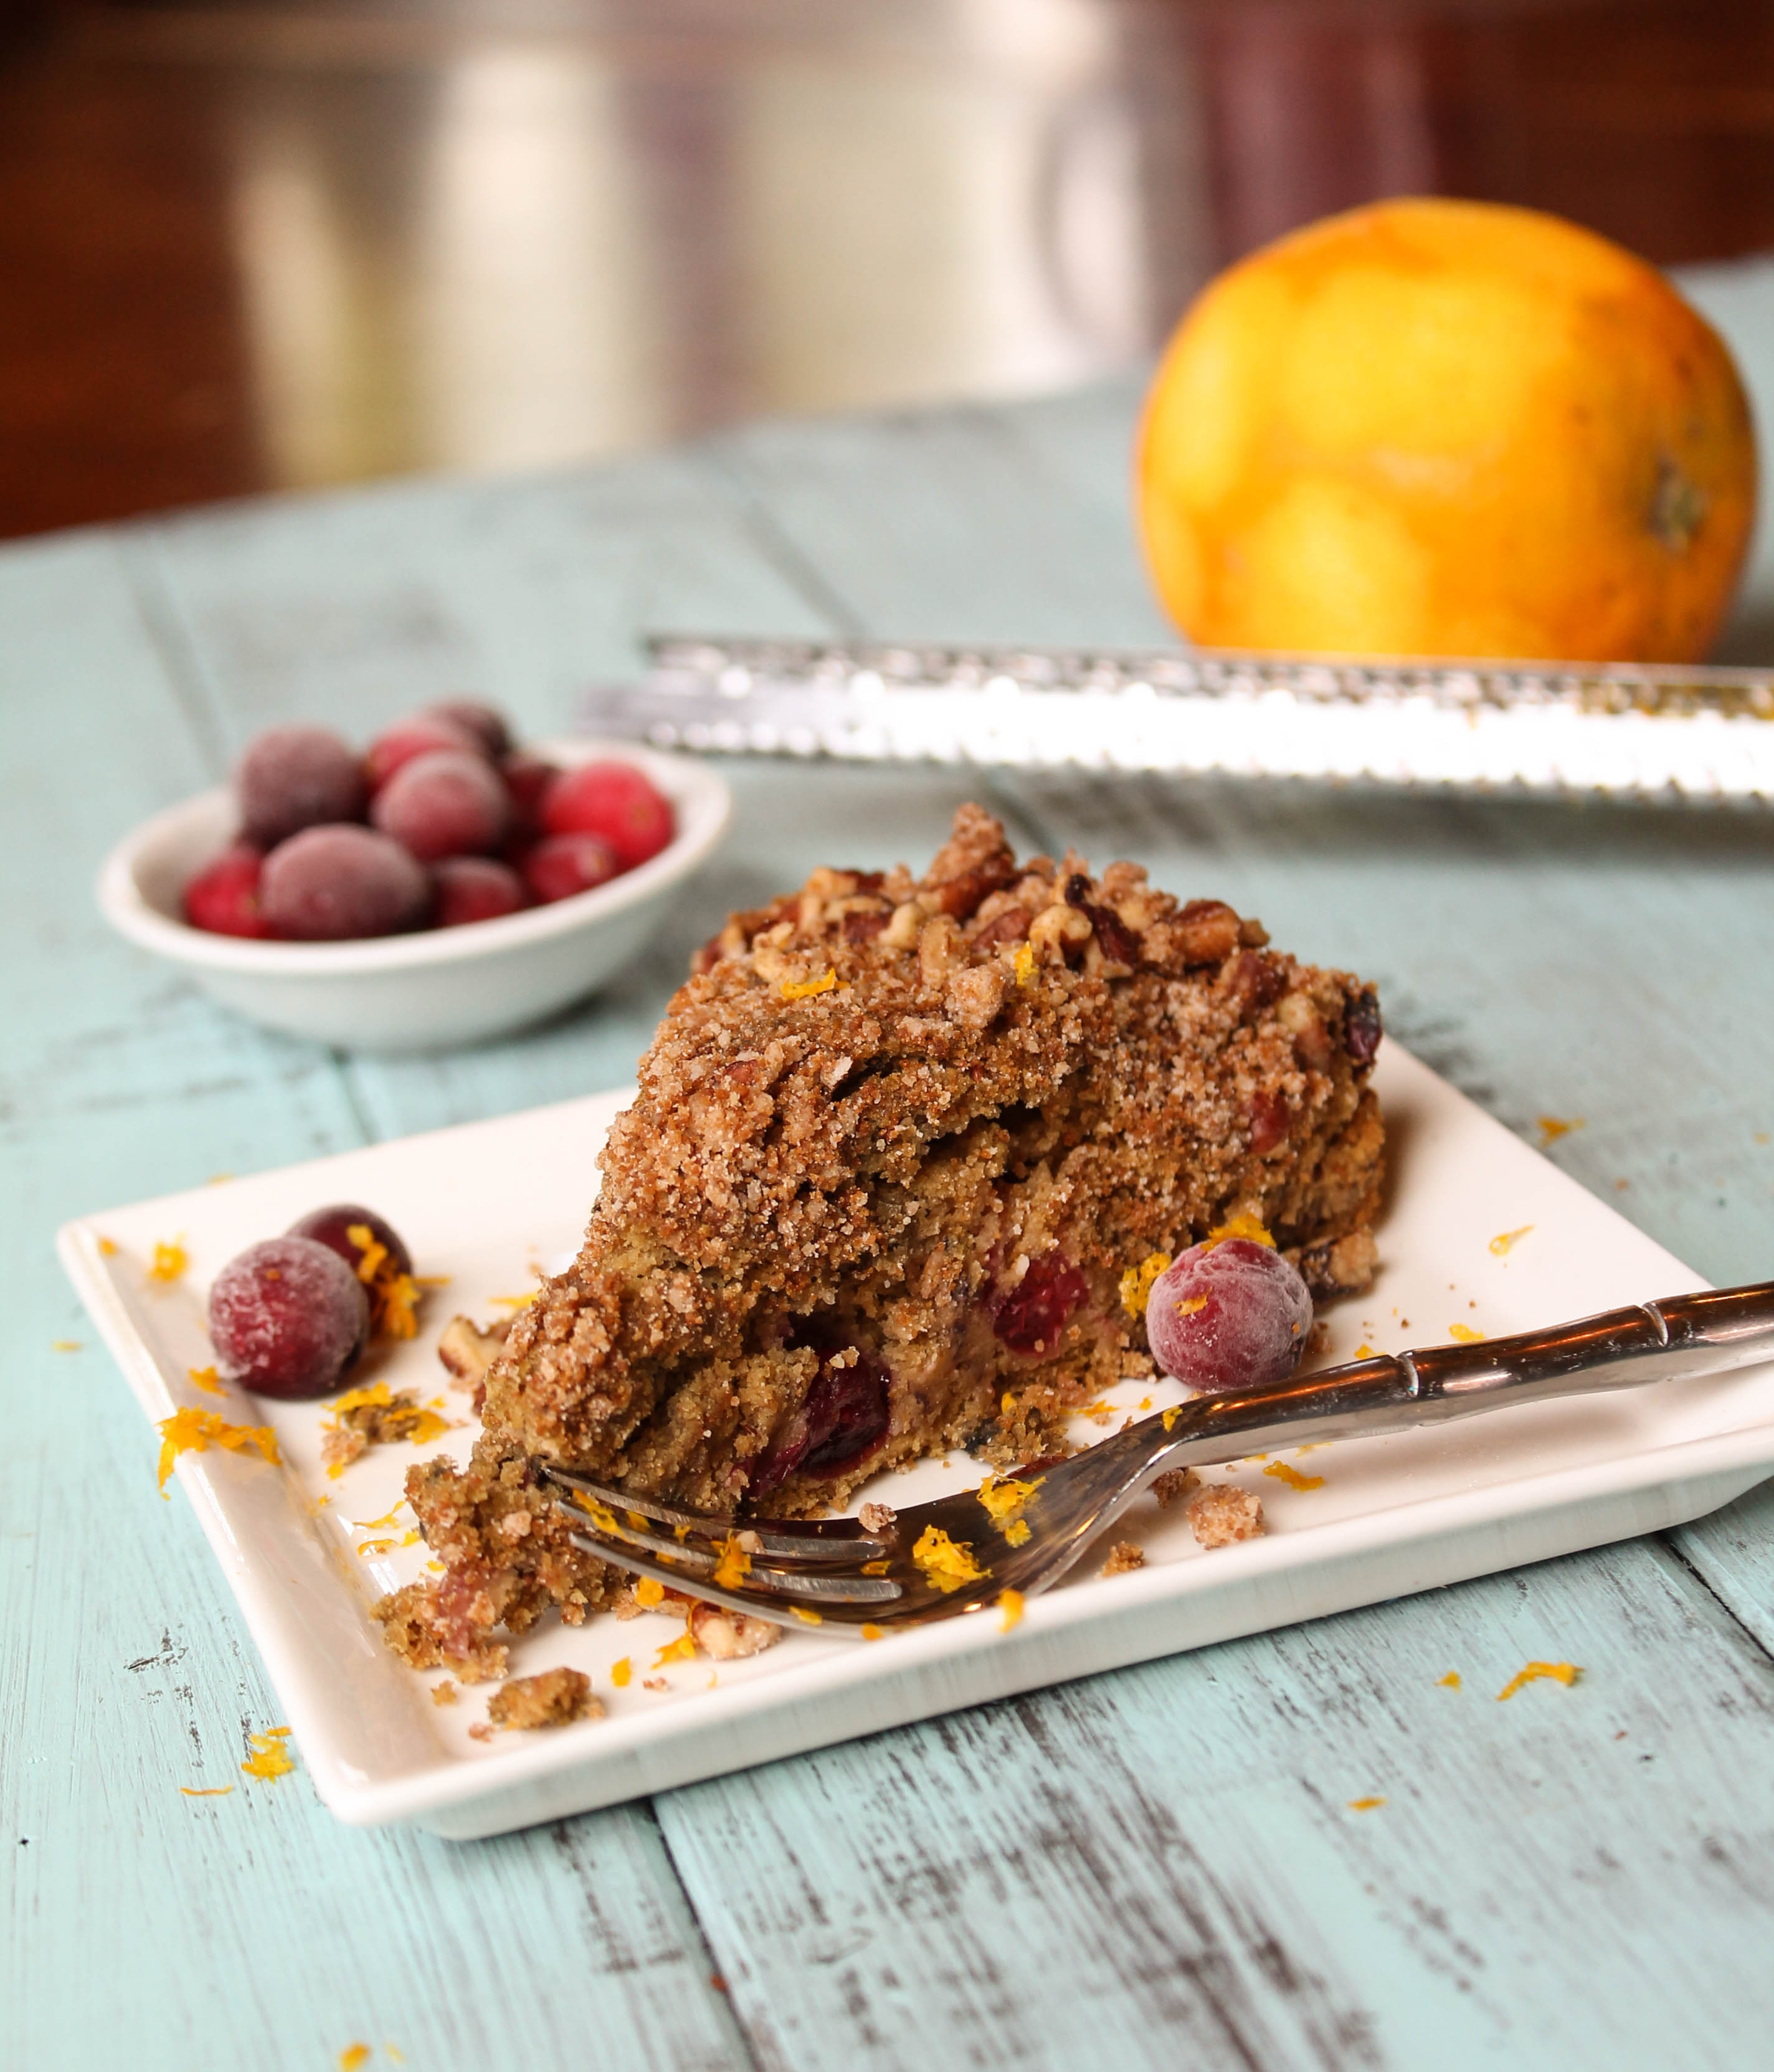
136, 1924
1159, 1865
1162, 1867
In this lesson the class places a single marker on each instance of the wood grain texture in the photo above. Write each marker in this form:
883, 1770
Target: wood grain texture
137, 1925
1156, 1867
1162, 1867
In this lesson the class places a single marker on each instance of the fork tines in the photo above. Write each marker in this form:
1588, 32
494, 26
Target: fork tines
750, 1562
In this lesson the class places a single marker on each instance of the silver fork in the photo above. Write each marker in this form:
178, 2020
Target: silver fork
959, 1555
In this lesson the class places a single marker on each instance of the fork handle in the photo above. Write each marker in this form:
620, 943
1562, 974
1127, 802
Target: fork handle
1672, 1339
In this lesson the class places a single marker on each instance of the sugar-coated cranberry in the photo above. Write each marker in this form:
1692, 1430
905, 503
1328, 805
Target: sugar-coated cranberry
329, 885
563, 865
486, 723
527, 777
449, 802
296, 777
1029, 1317
425, 734
475, 888
843, 1419
614, 801
287, 1318
223, 897
1231, 1315
332, 1227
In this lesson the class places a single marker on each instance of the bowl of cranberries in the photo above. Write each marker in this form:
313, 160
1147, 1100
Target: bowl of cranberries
443, 885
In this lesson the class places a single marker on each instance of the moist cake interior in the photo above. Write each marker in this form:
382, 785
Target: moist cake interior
897, 1143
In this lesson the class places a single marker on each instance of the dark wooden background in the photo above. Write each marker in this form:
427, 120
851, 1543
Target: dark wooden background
253, 246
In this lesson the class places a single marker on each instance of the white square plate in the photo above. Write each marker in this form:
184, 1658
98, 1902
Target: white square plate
489, 1203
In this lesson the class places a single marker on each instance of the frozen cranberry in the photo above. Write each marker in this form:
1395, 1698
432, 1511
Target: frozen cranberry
1231, 1315
844, 1418
527, 777
329, 885
223, 897
1029, 1317
287, 1318
614, 801
333, 1227
486, 723
475, 888
449, 803
296, 777
425, 733
565, 864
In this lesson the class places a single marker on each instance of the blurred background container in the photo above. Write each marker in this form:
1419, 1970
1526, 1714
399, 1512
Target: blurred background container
254, 245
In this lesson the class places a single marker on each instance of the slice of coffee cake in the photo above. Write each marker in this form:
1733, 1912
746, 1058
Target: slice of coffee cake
899, 1151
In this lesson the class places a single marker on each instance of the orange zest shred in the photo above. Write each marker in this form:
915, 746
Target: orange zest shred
1501, 1243
621, 1672
1005, 1499
1136, 1283
1556, 1672
1172, 1415
1241, 1225
649, 1591
1284, 1472
353, 2055
373, 1395
601, 1516
191, 1431
64, 1345
1365, 1351
376, 1524
804, 989
683, 1649
107, 1247
515, 1301
399, 1307
393, 1295
1010, 1604
205, 1379
168, 1263
874, 1633
269, 1757
210, 1791
1450, 1682
371, 1547
1192, 1305
1364, 1805
807, 1617
1467, 1335
371, 1250
734, 1566
949, 1564
1553, 1127
1025, 963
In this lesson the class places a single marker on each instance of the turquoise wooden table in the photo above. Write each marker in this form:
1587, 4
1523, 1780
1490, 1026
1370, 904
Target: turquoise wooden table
1156, 1867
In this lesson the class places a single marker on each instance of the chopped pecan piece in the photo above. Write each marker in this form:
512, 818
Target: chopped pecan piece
466, 1351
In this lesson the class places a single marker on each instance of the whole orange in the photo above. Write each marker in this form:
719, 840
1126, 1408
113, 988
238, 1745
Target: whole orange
1448, 428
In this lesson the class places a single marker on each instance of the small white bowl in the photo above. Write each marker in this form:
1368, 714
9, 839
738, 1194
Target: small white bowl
424, 991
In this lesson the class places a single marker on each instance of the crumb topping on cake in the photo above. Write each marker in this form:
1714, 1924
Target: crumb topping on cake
904, 1153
